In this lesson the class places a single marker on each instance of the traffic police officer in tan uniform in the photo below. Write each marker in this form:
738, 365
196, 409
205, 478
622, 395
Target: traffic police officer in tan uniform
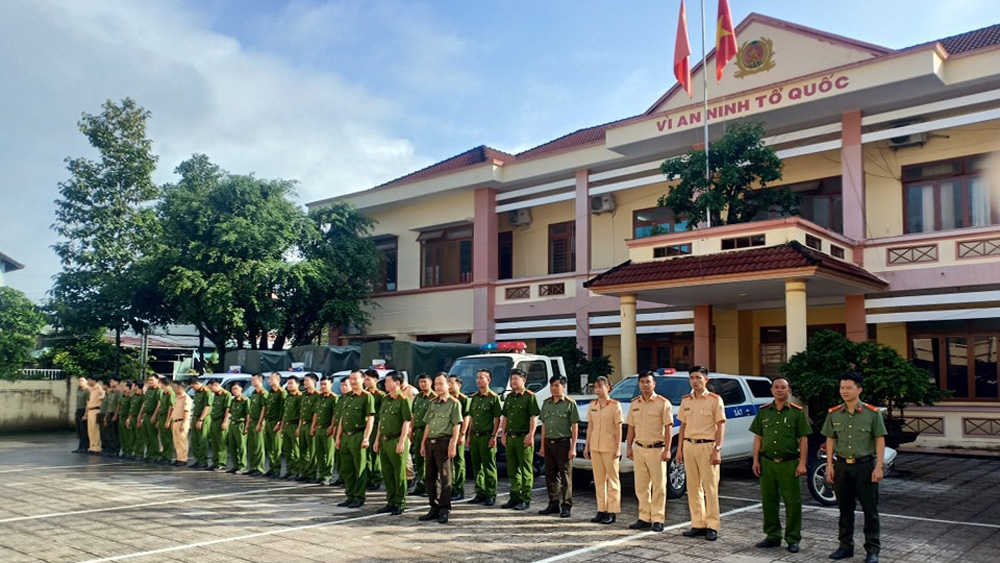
650, 424
703, 427
604, 438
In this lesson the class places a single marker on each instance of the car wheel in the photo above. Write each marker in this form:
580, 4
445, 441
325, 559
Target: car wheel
676, 478
818, 487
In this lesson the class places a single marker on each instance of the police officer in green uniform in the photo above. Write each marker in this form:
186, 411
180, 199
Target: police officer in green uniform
166, 434
394, 419
147, 423
274, 407
124, 405
374, 463
458, 471
354, 428
290, 423
138, 445
307, 418
520, 416
235, 424
199, 426
440, 446
114, 403
855, 433
216, 435
255, 429
82, 394
560, 420
102, 419
322, 432
420, 404
338, 409
780, 452
484, 424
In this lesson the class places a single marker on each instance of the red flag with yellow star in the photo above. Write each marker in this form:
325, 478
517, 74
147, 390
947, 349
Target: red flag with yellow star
725, 39
682, 52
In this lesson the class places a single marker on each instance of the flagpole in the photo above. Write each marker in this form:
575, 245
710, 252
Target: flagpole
704, 114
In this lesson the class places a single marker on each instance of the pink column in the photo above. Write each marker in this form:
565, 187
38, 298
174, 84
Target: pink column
484, 266
857, 322
703, 352
852, 164
582, 255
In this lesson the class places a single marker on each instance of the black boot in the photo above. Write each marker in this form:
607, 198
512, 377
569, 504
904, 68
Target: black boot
599, 518
552, 508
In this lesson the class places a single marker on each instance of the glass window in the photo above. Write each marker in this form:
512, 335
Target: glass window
654, 221
986, 366
946, 195
562, 247
729, 389
957, 367
388, 249
446, 256
505, 255
760, 389
537, 375
626, 390
499, 367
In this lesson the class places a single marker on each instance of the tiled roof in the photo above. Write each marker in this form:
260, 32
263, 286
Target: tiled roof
471, 157
578, 138
969, 41
781, 257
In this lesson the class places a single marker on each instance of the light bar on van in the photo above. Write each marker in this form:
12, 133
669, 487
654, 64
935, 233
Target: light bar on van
666, 371
504, 347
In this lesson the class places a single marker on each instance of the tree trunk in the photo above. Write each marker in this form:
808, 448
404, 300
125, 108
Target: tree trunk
201, 351
118, 351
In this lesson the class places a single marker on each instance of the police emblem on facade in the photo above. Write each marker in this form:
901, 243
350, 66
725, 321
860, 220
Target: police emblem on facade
756, 55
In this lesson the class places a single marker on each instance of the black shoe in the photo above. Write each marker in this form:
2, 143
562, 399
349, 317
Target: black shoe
396, 510
550, 509
600, 516
565, 512
197, 465
356, 504
695, 532
285, 476
768, 542
385, 509
345, 503
338, 483
457, 496
609, 518
233, 470
415, 492
509, 504
793, 547
489, 502
871, 558
443, 518
522, 506
842, 553
477, 500
301, 478
657, 526
639, 525
429, 516
711, 535
180, 463
373, 486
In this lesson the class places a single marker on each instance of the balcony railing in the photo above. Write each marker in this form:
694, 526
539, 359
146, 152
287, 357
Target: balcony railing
525, 290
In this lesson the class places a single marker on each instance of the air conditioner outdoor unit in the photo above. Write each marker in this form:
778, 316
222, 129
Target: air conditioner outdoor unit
604, 203
911, 140
520, 217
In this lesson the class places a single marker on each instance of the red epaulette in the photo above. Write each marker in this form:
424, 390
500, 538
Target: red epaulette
528, 391
688, 396
771, 404
612, 401
794, 406
661, 398
871, 408
836, 408
714, 395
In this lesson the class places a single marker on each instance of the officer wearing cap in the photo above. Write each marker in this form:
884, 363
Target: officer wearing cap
394, 419
439, 447
650, 424
420, 404
255, 430
458, 469
357, 420
217, 434
374, 463
703, 427
560, 421
290, 424
780, 451
274, 406
855, 433
484, 424
520, 417
235, 424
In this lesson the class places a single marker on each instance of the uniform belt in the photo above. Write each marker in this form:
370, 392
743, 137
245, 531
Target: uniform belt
94, 409
779, 459
517, 434
292, 421
698, 441
439, 439
391, 437
653, 445
178, 420
854, 460
557, 440
352, 432
481, 434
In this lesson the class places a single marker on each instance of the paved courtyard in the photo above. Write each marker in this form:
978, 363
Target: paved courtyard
61, 507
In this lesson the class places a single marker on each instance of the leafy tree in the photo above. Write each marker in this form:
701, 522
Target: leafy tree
576, 362
103, 220
889, 379
741, 166
91, 354
20, 323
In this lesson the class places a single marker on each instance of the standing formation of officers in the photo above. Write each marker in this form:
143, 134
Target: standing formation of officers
418, 435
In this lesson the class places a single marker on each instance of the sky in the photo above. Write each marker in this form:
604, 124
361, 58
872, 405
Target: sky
343, 95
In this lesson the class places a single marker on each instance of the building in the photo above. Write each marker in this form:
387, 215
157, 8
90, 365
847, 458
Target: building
7, 264
895, 153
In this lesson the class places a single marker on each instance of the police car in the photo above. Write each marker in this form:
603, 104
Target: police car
742, 396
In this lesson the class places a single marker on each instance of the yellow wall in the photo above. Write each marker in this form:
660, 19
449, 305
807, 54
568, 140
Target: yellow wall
894, 335
613, 348
531, 242
727, 340
609, 231
401, 221
406, 316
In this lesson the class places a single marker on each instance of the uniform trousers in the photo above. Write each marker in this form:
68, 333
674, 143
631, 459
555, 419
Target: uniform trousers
255, 448
438, 474
702, 485
151, 438
272, 446
290, 447
94, 429
650, 482
323, 457
558, 470
180, 429
166, 437
607, 481
484, 466
354, 465
123, 435
778, 482
82, 437
236, 444
520, 468
113, 445
853, 483
419, 461
217, 443
306, 453
393, 471
199, 440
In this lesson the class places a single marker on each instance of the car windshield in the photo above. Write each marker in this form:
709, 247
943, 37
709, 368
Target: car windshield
466, 368
673, 388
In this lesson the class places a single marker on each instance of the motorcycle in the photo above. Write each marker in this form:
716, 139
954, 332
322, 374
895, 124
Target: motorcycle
816, 476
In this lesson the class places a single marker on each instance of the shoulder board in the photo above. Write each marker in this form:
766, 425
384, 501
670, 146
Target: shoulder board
688, 396
453, 399
768, 405
493, 393
871, 408
710, 394
661, 398
612, 401
528, 391
794, 406
836, 408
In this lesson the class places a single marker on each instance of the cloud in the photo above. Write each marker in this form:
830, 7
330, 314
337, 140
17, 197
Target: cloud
249, 111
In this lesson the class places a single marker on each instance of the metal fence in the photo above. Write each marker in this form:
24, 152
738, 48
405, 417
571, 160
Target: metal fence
48, 374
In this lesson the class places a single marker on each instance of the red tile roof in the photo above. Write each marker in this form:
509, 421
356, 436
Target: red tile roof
578, 138
471, 157
969, 41
781, 257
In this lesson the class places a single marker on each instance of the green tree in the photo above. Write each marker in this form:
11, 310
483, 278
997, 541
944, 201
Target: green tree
889, 379
577, 362
91, 354
20, 323
740, 167
103, 219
